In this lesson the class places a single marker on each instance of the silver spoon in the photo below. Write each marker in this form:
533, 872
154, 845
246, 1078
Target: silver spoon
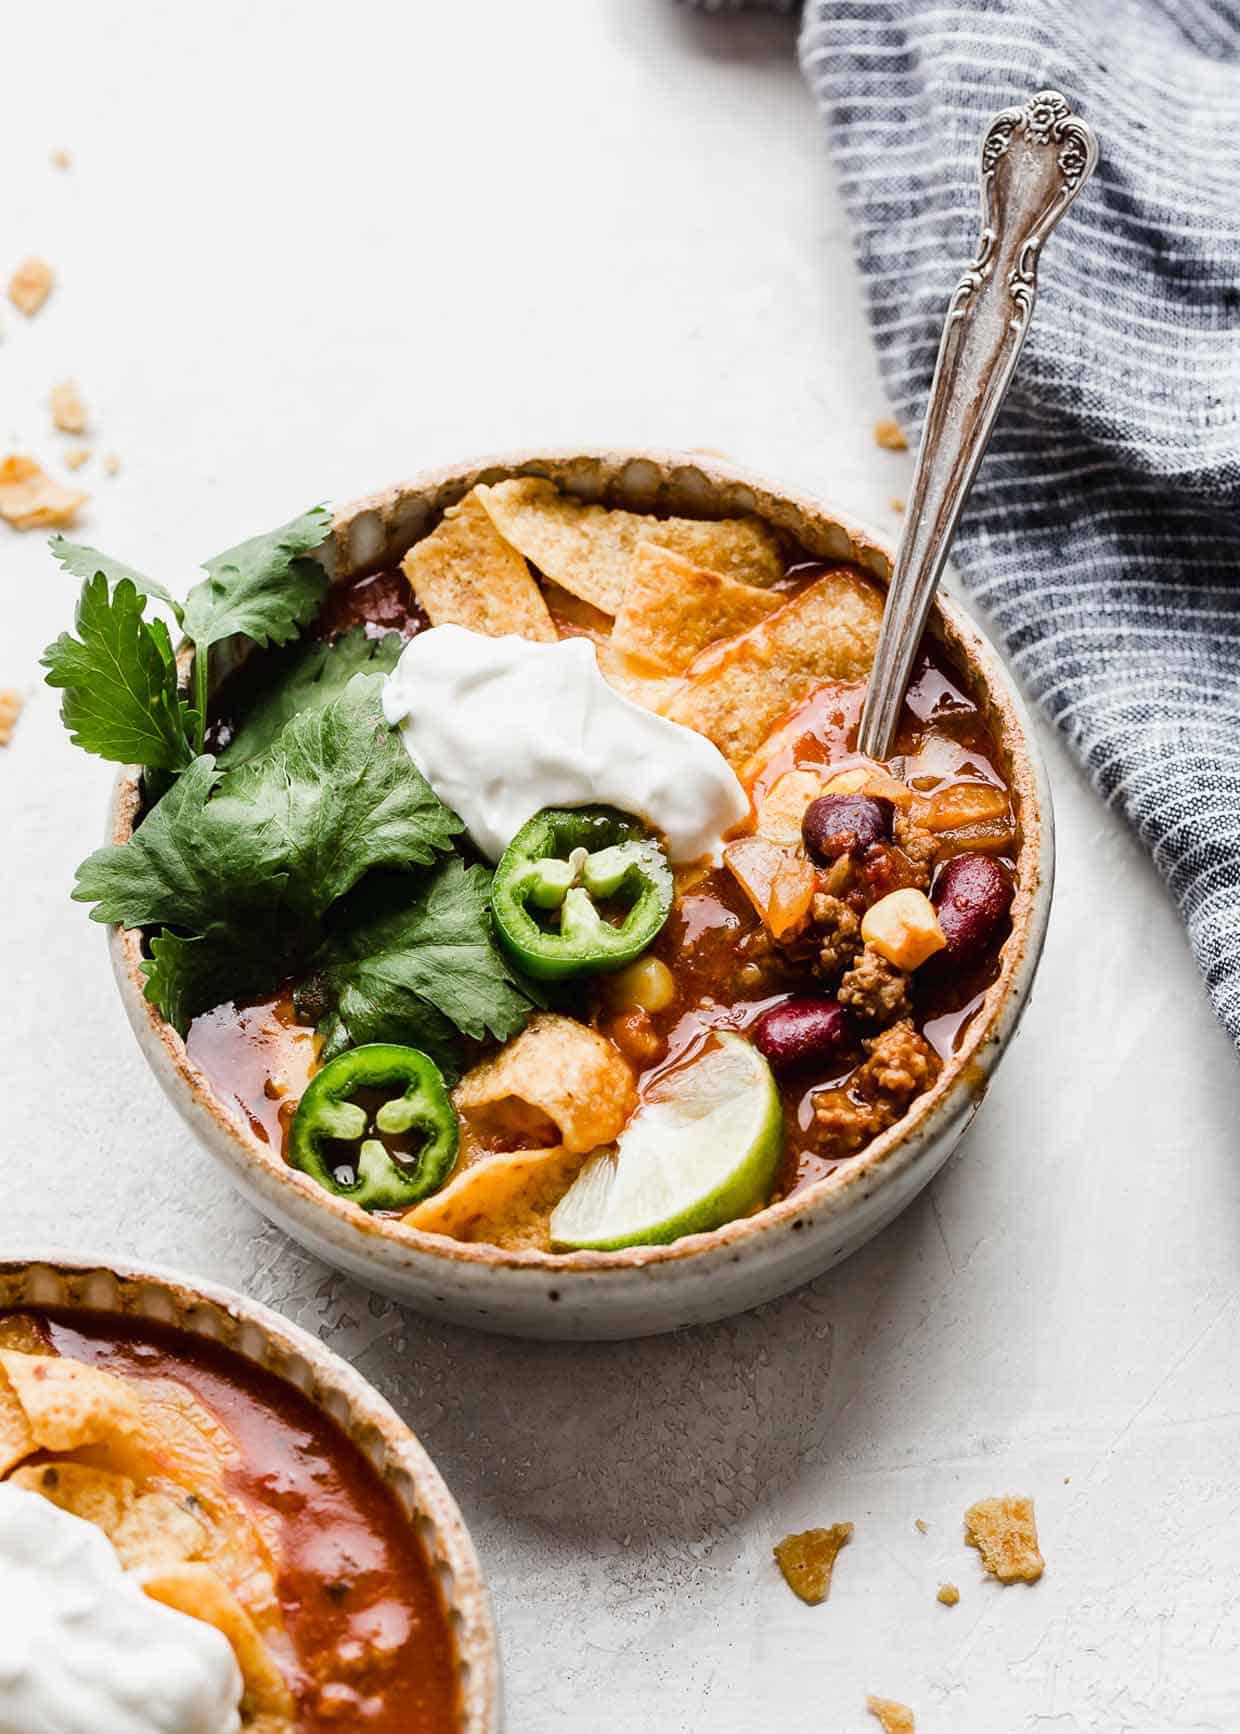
1035, 160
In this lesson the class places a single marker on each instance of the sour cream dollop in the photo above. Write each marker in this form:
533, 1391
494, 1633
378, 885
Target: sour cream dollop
83, 1651
501, 728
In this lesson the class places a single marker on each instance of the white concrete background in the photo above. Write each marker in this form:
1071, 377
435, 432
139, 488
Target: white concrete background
305, 249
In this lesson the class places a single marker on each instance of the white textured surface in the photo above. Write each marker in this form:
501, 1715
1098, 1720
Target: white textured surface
304, 250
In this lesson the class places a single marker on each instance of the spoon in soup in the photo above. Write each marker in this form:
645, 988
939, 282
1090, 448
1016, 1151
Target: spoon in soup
1034, 161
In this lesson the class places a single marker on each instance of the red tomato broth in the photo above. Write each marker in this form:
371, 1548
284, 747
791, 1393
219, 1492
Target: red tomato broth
359, 1599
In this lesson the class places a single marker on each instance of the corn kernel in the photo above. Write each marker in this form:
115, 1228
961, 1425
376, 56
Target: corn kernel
647, 983
903, 928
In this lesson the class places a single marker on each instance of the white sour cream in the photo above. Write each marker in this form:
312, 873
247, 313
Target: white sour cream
502, 727
83, 1651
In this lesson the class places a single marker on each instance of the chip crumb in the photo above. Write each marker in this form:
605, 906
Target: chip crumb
896, 503
31, 500
1004, 1532
895, 1718
11, 702
68, 410
62, 159
111, 465
920, 1525
808, 1558
76, 456
949, 1595
30, 285
889, 435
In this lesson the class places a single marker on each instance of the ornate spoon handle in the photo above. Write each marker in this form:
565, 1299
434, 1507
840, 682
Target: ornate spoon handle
1035, 160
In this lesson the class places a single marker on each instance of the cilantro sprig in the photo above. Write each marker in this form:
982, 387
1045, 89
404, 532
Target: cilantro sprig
311, 848
266, 589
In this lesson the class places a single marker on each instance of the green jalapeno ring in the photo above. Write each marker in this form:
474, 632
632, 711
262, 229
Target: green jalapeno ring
419, 1104
557, 868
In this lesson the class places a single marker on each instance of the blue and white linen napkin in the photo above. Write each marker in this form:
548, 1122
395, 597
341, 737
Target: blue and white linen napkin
1103, 535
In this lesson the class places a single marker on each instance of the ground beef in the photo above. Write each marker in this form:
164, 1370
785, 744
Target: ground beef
898, 1066
837, 933
875, 989
920, 846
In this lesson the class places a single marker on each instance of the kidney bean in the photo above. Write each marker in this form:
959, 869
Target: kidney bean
836, 825
801, 1030
972, 896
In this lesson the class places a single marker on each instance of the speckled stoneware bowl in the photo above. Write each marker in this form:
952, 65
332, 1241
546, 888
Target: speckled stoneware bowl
78, 1283
705, 1276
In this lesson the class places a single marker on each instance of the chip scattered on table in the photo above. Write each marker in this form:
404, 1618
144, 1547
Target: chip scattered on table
588, 549
61, 159
895, 1718
807, 1560
672, 609
68, 409
11, 703
31, 500
920, 1525
889, 435
948, 1594
736, 692
111, 465
465, 574
1004, 1532
30, 285
76, 456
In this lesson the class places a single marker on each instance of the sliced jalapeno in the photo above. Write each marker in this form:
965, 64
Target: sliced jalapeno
555, 874
376, 1126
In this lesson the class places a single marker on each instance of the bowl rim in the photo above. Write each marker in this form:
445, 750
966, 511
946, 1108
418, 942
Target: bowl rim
962, 1081
83, 1281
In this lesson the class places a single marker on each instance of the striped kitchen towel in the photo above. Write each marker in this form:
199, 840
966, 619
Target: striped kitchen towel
1103, 535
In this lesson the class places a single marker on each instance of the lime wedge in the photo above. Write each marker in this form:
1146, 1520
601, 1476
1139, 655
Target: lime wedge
703, 1148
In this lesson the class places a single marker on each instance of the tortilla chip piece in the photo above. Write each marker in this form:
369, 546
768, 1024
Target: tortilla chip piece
890, 435
465, 574
736, 692
807, 1560
17, 1438
504, 1201
1004, 1532
68, 410
558, 1082
11, 706
672, 609
76, 456
948, 1594
69, 1404
30, 285
782, 808
31, 500
588, 549
895, 1718
196, 1590
636, 680
97, 1496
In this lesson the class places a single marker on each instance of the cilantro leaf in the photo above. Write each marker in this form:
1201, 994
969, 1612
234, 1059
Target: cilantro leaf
86, 562
185, 866
313, 675
227, 962
120, 681
335, 795
264, 588
419, 972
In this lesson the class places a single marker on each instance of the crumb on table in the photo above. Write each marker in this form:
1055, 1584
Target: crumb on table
889, 435
920, 1525
30, 285
895, 1718
807, 1560
1004, 1532
949, 1595
68, 409
111, 465
76, 456
11, 702
61, 158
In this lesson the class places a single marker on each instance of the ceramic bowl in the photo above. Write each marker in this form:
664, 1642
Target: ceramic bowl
261, 1336
643, 1289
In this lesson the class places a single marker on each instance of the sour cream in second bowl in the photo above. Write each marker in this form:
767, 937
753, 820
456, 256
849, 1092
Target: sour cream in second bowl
84, 1651
503, 727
